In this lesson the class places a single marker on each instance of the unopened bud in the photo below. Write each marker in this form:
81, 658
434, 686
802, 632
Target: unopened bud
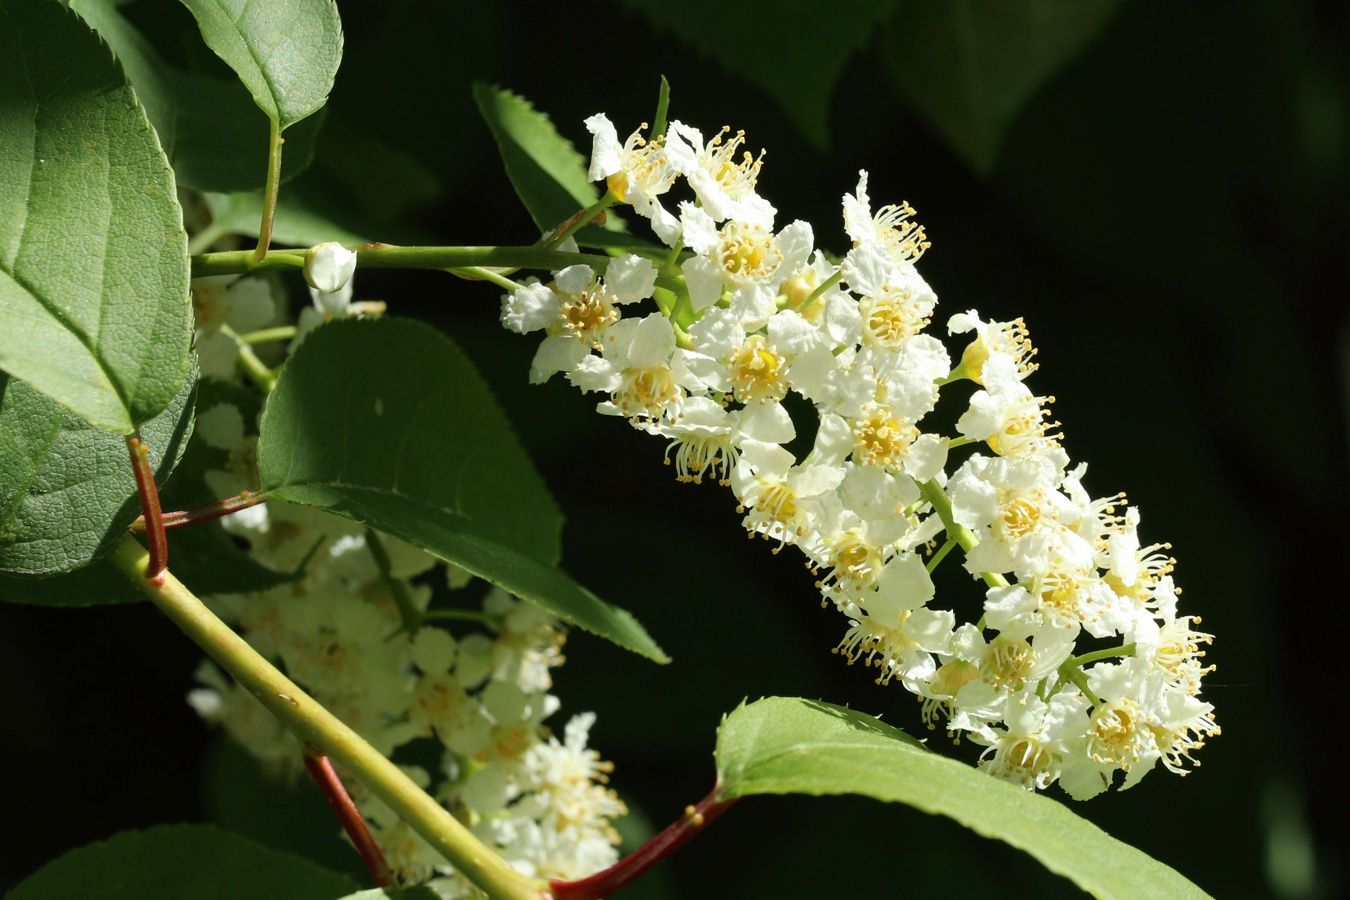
329, 266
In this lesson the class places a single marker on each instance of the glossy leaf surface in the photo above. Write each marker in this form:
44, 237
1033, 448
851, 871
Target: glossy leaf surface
387, 422
94, 308
286, 54
784, 745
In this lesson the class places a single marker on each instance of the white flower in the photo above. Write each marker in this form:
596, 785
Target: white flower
725, 186
1002, 338
245, 304
636, 171
890, 229
641, 370
329, 267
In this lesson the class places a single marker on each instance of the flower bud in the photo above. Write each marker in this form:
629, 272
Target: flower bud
329, 266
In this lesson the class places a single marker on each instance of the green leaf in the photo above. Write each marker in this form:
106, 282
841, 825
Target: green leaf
94, 307
782, 745
286, 54
295, 224
387, 422
794, 50
548, 173
969, 68
170, 862
206, 125
67, 493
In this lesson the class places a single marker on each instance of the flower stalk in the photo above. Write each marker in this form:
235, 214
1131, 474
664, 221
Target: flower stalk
391, 256
314, 725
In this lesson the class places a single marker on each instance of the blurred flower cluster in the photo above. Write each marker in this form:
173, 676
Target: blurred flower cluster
759, 337
353, 629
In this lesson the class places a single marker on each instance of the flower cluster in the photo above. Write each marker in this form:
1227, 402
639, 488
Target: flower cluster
749, 313
353, 629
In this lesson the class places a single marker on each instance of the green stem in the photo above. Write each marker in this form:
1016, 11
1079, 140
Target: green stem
822, 288
255, 368
390, 256
942, 552
1078, 662
1079, 678
673, 258
267, 335
202, 240
313, 724
478, 273
942, 505
270, 189
409, 613
583, 218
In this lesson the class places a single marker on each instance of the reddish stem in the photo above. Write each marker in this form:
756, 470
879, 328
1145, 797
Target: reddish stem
153, 521
321, 770
675, 835
205, 513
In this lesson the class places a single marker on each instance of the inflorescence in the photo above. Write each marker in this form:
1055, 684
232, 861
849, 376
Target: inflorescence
748, 314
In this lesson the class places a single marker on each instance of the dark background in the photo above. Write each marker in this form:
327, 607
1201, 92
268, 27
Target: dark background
1168, 214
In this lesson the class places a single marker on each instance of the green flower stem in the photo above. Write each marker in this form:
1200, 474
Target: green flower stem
390, 256
407, 612
202, 240
941, 554
583, 218
313, 724
671, 265
270, 189
268, 335
942, 505
478, 273
824, 286
1079, 678
255, 368
1078, 662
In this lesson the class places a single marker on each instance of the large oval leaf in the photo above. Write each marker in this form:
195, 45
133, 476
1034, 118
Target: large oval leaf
94, 307
784, 745
67, 492
969, 68
170, 862
286, 54
388, 423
